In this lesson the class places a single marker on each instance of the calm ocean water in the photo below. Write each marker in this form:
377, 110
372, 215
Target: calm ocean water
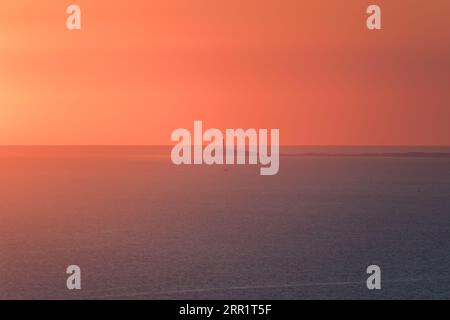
142, 228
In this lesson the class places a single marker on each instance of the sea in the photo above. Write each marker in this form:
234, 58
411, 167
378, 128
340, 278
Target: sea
140, 227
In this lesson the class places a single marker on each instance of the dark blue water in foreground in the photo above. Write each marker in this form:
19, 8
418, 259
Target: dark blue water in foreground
142, 228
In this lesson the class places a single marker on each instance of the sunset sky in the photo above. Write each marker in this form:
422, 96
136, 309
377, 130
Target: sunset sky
140, 69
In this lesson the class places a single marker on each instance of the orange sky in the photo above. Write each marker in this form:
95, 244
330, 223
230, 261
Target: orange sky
140, 69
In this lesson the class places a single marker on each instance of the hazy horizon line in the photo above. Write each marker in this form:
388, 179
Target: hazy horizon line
281, 145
